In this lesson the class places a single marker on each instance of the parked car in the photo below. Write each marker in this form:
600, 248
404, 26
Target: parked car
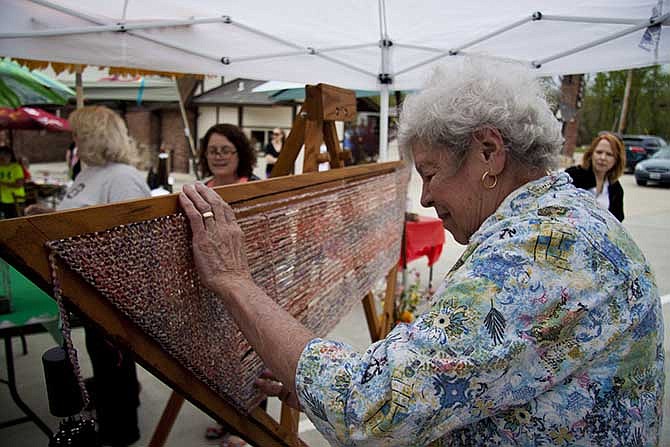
654, 169
640, 147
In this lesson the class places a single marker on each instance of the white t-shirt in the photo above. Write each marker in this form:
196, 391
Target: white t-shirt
603, 198
98, 185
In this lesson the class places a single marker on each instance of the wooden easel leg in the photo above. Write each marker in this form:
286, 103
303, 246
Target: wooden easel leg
389, 303
371, 316
379, 328
290, 418
167, 419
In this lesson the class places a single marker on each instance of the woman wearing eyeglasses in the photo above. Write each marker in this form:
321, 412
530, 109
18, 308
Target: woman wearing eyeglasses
227, 156
273, 149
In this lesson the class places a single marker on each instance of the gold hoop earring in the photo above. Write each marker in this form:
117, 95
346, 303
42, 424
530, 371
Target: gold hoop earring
491, 185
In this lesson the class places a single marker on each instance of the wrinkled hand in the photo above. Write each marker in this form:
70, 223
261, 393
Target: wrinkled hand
218, 242
269, 385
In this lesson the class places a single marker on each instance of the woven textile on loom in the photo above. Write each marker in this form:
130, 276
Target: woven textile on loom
317, 254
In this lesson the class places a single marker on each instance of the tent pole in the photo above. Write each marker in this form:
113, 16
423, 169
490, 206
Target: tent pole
187, 129
449, 54
385, 79
504, 29
137, 34
384, 124
79, 86
581, 19
224, 20
641, 25
116, 27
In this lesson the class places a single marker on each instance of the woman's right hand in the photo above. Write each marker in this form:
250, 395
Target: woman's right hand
218, 241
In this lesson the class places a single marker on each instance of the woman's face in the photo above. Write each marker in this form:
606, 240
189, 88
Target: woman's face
455, 192
222, 157
603, 158
277, 135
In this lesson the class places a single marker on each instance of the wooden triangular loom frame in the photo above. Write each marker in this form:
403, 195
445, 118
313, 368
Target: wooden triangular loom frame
22, 243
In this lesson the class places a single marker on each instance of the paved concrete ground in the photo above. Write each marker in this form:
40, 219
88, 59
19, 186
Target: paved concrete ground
647, 219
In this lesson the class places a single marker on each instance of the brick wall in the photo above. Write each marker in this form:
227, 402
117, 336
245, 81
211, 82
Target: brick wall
144, 127
173, 139
40, 146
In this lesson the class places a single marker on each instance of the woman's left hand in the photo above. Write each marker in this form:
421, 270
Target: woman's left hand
218, 241
271, 386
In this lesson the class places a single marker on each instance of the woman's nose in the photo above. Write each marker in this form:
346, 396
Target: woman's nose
426, 199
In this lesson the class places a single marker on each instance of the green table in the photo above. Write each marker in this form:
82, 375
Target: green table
31, 310
30, 305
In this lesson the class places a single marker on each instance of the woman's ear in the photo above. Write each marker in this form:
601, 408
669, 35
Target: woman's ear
489, 143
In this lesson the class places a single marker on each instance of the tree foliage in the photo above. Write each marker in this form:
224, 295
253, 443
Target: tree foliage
648, 107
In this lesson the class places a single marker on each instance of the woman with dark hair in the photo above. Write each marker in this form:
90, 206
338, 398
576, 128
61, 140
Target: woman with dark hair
599, 172
227, 156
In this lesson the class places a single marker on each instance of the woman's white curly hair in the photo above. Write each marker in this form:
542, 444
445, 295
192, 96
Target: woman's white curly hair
461, 99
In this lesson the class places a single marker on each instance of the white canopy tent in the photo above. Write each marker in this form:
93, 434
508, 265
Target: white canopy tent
358, 44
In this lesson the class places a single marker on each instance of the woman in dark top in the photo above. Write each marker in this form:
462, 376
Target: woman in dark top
599, 173
273, 149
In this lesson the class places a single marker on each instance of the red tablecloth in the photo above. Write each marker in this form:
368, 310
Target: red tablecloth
425, 237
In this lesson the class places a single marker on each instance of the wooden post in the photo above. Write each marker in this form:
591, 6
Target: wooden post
167, 420
624, 104
291, 149
388, 318
79, 87
187, 127
370, 308
290, 419
313, 140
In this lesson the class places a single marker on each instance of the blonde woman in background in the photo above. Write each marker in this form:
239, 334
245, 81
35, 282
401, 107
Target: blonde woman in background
108, 175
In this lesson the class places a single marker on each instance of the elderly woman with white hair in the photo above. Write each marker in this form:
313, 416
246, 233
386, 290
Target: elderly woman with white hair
547, 331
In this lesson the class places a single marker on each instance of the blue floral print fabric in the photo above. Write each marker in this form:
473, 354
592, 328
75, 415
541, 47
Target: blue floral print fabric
547, 331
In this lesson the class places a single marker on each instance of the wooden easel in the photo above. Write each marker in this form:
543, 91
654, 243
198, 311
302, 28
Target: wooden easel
314, 125
23, 245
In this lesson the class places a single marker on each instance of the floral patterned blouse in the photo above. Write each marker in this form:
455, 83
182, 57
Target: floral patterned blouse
547, 331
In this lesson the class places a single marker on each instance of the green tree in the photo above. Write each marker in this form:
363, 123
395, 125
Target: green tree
649, 103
